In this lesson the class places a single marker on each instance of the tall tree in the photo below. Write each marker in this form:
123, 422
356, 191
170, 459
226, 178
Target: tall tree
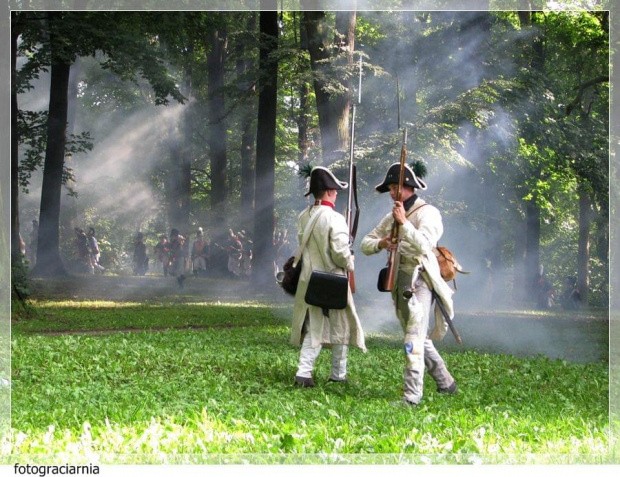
303, 121
331, 60
15, 225
217, 134
244, 68
49, 262
535, 62
127, 49
265, 144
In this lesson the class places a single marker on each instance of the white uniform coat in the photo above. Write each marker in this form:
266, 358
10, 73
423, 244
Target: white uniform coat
327, 250
418, 237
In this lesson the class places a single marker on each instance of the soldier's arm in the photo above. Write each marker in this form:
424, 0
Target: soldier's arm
370, 242
339, 243
427, 234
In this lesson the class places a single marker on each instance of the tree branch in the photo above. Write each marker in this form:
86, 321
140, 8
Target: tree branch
581, 89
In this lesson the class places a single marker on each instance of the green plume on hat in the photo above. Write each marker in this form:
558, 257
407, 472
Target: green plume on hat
305, 170
419, 168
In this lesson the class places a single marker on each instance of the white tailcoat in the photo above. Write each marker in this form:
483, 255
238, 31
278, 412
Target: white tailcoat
327, 250
417, 237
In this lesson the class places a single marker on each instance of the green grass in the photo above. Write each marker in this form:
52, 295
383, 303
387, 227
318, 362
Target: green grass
215, 381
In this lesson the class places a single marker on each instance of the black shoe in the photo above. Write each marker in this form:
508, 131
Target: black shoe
180, 280
452, 389
332, 380
304, 382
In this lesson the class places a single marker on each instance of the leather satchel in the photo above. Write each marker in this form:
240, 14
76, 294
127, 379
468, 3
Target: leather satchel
448, 265
381, 280
329, 291
290, 280
291, 270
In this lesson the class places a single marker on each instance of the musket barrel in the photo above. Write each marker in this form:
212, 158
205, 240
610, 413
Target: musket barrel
390, 277
351, 220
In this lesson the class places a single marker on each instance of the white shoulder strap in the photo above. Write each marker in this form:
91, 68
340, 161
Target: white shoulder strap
306, 236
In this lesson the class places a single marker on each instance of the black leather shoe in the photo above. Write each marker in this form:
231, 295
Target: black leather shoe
452, 389
332, 380
304, 382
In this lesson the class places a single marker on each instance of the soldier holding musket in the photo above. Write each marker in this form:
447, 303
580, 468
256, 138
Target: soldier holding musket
417, 277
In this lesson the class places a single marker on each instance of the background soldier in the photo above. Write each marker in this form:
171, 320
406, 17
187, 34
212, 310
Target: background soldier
95, 253
200, 253
177, 256
162, 252
140, 260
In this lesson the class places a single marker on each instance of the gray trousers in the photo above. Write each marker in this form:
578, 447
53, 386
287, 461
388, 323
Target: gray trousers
309, 354
420, 351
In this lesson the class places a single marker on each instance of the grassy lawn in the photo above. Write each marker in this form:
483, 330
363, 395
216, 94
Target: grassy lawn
211, 382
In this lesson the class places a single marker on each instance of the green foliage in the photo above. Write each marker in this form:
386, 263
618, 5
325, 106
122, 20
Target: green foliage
19, 278
21, 290
226, 387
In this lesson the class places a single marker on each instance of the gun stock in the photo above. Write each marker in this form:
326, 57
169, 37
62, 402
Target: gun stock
352, 281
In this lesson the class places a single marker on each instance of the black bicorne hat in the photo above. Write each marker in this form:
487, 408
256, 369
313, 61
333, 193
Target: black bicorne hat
393, 175
322, 179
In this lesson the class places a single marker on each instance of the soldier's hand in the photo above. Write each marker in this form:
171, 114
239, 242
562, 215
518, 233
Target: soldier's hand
398, 212
386, 243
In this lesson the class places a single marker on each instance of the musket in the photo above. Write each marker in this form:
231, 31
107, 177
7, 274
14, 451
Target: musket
352, 220
390, 270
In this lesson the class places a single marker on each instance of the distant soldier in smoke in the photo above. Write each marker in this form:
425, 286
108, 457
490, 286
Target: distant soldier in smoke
140, 260
246, 254
571, 298
545, 295
234, 247
200, 253
95, 253
177, 256
34, 238
187, 259
418, 270
162, 252
22, 246
81, 247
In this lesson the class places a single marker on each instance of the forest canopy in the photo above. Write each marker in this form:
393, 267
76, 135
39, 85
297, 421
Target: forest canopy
145, 121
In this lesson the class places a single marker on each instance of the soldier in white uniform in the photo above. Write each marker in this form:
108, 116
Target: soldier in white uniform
327, 250
420, 229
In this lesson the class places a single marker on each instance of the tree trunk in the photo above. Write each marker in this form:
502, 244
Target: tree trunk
178, 186
303, 122
217, 127
341, 104
535, 58
532, 246
266, 149
15, 226
519, 291
49, 262
583, 254
68, 216
247, 134
333, 109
